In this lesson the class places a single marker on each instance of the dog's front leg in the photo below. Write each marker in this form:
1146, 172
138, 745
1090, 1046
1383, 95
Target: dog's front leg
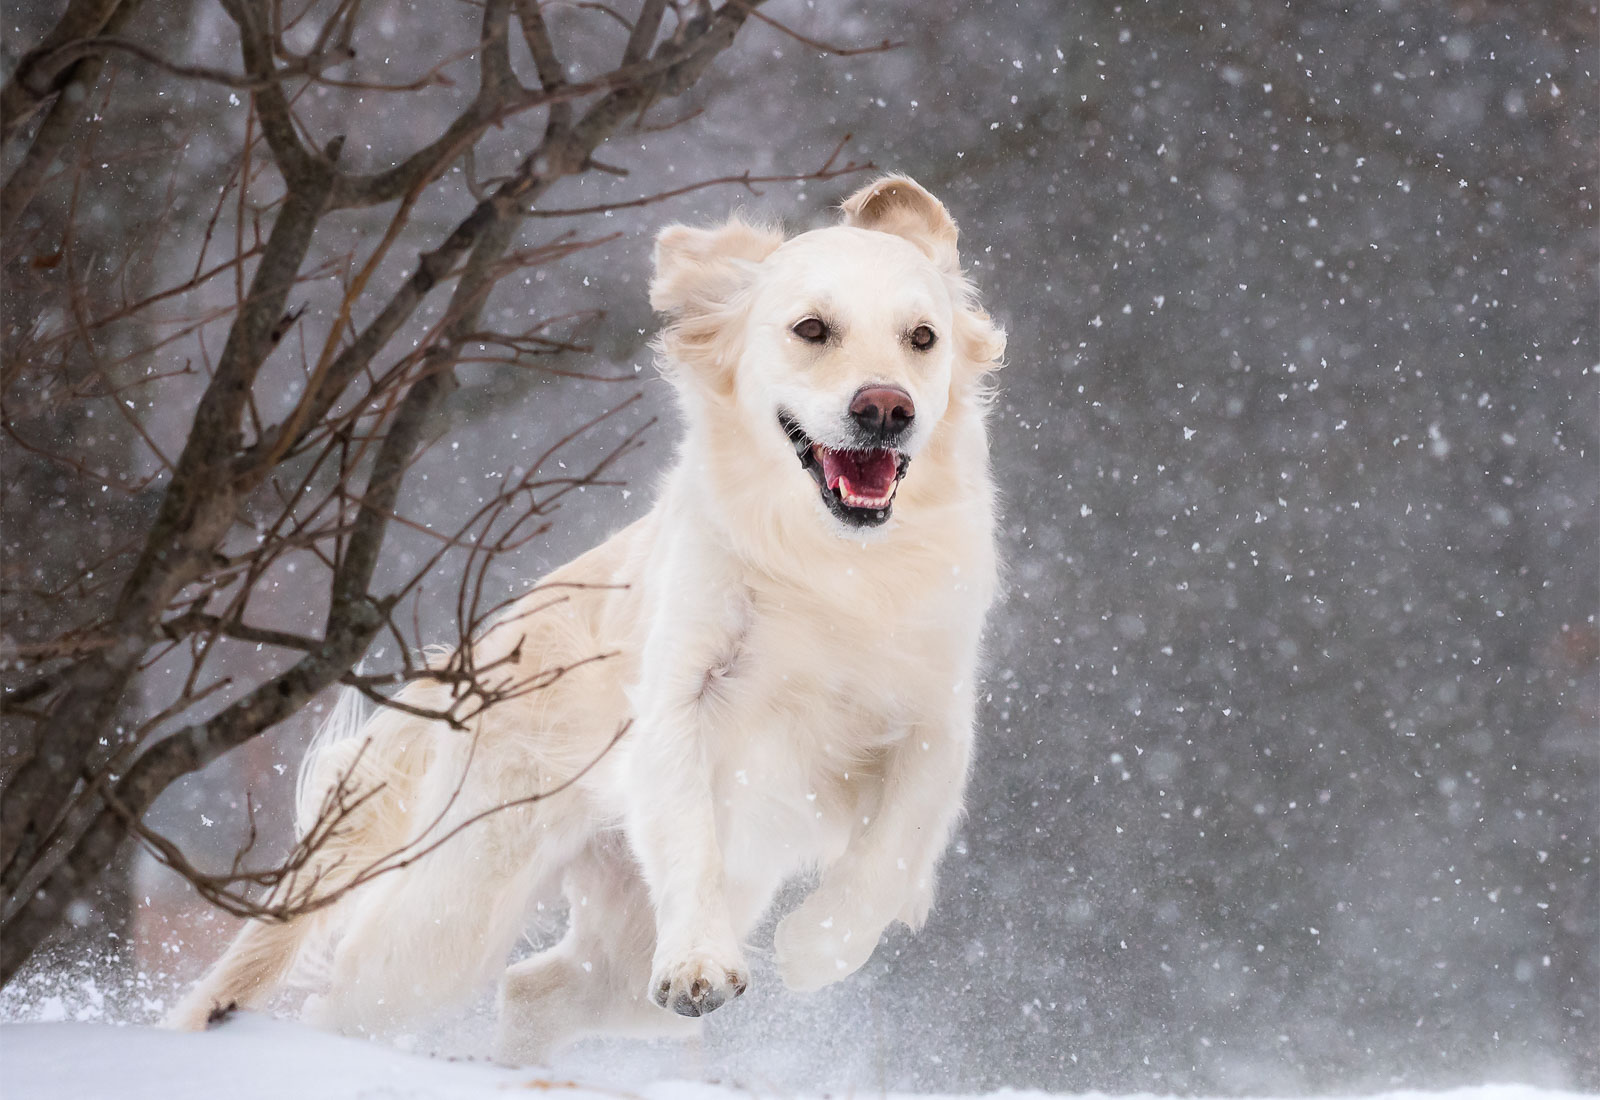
671, 820
887, 873
698, 962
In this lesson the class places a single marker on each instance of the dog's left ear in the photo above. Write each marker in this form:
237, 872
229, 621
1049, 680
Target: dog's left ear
899, 205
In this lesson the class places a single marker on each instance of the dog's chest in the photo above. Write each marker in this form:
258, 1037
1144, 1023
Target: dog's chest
801, 711
810, 674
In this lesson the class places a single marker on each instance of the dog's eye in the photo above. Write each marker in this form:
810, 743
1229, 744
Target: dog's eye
811, 330
922, 338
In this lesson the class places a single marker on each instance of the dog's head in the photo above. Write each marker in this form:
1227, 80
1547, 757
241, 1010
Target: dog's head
848, 347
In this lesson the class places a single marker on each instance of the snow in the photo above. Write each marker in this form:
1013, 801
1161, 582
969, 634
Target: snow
251, 1057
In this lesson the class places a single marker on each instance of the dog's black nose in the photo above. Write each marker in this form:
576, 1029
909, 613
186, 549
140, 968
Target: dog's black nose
884, 411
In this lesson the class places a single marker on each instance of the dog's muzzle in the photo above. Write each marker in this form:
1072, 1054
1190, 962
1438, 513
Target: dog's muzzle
857, 484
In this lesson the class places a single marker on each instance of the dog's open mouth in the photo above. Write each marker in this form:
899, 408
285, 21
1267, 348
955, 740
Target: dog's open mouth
857, 485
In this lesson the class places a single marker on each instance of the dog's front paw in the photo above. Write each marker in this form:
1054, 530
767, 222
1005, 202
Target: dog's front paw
816, 947
697, 983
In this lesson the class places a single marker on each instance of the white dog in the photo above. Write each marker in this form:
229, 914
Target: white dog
796, 628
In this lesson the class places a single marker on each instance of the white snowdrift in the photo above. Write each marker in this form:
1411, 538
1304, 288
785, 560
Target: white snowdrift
256, 1058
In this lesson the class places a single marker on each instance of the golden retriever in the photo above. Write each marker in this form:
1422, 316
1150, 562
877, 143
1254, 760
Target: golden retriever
796, 634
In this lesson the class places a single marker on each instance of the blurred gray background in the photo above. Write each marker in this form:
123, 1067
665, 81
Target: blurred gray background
1290, 750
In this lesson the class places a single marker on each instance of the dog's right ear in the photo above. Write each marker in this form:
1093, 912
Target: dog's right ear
699, 280
700, 270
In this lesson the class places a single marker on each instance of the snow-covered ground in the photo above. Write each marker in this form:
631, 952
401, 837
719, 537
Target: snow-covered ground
253, 1057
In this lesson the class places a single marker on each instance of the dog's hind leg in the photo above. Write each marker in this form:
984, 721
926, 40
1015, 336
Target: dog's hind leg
422, 938
246, 975
596, 979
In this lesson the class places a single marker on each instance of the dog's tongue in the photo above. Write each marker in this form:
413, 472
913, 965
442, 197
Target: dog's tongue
865, 473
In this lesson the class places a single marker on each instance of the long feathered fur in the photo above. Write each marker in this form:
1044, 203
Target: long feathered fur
797, 694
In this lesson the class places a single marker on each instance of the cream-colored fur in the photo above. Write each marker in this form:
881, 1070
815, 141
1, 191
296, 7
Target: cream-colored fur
800, 691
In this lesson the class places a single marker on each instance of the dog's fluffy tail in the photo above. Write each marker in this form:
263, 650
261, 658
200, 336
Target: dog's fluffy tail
359, 773
341, 728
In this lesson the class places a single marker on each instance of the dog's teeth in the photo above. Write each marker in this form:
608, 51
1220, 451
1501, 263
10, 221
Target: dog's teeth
847, 493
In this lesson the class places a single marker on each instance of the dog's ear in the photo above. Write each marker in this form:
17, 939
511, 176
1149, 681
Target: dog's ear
699, 270
699, 282
899, 205
982, 342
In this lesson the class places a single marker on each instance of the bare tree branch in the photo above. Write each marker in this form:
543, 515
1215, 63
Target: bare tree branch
71, 88
28, 87
743, 179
